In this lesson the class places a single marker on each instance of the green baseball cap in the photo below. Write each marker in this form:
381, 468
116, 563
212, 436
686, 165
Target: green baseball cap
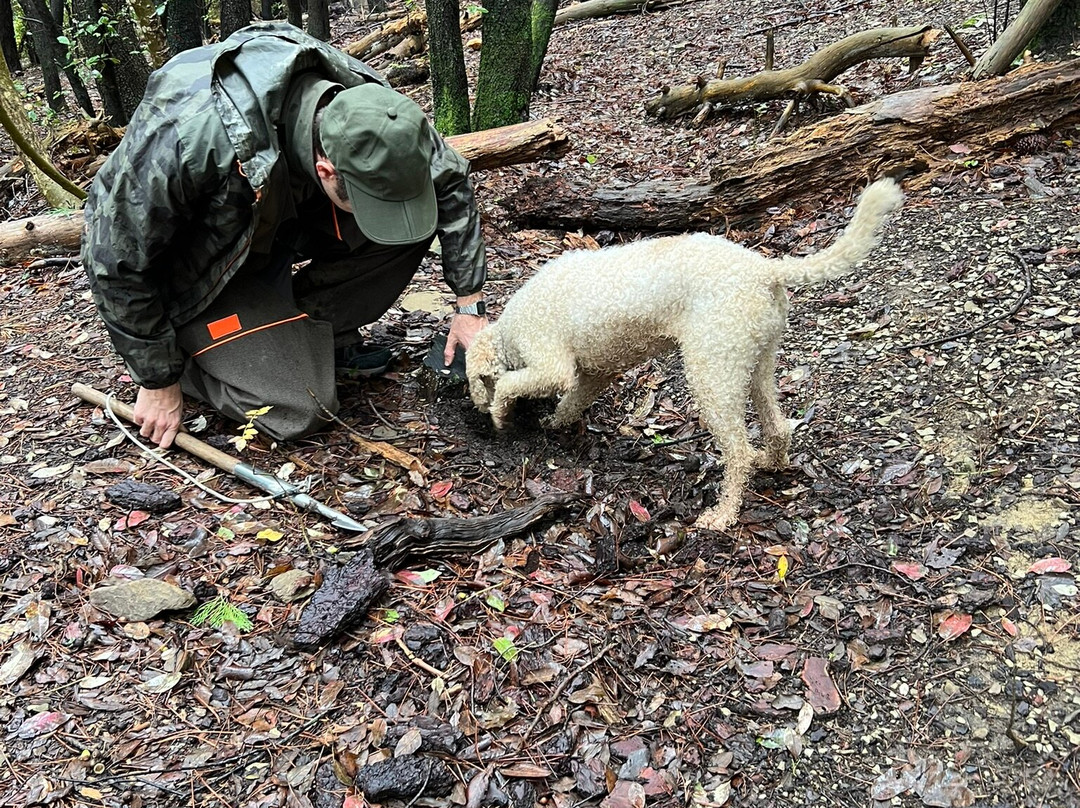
380, 142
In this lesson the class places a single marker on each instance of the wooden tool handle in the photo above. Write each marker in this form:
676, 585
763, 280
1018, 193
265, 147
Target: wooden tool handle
189, 443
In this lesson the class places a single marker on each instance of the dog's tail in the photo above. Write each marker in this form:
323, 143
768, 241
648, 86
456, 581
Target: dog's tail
861, 236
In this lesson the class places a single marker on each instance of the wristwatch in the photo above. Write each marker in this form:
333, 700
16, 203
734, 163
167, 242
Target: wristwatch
479, 308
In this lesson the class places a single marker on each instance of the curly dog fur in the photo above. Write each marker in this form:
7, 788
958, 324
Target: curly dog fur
587, 316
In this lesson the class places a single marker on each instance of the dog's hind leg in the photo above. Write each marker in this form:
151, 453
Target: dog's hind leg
776, 434
573, 404
720, 390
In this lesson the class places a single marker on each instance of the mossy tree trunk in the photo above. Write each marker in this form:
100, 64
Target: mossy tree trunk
543, 20
149, 22
127, 53
8, 44
183, 25
449, 84
504, 84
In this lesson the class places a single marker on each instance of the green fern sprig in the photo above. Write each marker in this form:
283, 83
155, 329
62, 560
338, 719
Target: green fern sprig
218, 612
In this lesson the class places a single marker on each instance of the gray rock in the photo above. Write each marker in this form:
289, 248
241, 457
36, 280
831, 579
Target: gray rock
141, 599
292, 585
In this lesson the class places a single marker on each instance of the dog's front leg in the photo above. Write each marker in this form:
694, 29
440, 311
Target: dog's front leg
528, 382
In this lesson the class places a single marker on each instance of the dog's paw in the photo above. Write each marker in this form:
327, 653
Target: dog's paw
716, 519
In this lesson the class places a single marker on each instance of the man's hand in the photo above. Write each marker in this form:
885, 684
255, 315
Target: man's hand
159, 412
463, 328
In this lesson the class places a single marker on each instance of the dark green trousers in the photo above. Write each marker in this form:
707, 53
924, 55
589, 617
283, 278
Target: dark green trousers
268, 338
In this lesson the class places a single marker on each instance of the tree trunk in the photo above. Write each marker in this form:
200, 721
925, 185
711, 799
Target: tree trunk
132, 70
60, 53
1063, 29
235, 14
449, 84
1009, 45
183, 25
145, 12
59, 234
543, 20
122, 71
504, 83
906, 132
8, 44
318, 19
266, 10
294, 13
42, 26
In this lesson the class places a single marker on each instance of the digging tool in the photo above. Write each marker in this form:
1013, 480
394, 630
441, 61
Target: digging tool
262, 480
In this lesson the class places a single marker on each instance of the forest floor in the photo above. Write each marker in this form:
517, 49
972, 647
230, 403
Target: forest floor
921, 649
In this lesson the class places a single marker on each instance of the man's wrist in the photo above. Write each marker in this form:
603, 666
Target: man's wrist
473, 304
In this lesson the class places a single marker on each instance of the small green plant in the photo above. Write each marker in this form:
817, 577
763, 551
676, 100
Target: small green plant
218, 612
248, 431
472, 9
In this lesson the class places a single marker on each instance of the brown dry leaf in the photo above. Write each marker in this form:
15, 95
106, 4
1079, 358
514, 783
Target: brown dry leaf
821, 692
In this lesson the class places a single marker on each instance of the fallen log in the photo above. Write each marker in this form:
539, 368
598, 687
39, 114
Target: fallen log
593, 9
59, 234
908, 132
812, 76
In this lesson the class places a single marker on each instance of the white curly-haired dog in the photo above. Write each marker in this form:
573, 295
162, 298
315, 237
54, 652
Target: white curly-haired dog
587, 316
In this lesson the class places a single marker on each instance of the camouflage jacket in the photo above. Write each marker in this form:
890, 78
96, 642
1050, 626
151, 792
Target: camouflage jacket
173, 212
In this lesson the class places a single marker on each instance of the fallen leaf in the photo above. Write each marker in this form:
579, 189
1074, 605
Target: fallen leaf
954, 625
1050, 565
1010, 627
41, 724
915, 572
441, 489
640, 512
822, 693
960, 148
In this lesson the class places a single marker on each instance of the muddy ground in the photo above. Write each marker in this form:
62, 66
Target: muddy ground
921, 646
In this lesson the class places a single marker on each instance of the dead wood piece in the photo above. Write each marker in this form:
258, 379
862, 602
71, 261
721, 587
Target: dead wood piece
132, 496
509, 145
59, 234
405, 778
396, 30
394, 542
341, 601
48, 234
909, 132
822, 68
